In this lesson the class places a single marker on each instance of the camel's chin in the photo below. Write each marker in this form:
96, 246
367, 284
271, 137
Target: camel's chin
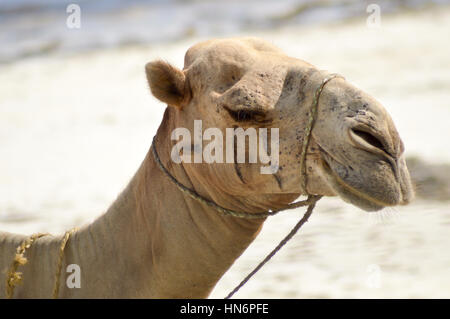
349, 194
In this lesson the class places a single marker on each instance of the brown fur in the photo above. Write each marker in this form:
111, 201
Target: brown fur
166, 82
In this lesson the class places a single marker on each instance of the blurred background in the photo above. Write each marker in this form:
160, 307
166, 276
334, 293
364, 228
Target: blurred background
77, 118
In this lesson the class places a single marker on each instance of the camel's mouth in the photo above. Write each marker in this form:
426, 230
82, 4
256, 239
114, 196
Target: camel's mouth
344, 190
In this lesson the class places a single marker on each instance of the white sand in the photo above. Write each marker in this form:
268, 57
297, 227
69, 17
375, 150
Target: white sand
74, 129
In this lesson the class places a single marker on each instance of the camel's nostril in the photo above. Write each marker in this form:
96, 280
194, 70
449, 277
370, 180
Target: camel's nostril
369, 138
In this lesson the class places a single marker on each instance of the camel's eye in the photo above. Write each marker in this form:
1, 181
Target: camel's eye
247, 115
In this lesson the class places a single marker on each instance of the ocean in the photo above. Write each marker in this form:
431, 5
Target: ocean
34, 27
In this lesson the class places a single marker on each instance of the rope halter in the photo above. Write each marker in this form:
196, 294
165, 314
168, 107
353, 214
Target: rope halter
310, 201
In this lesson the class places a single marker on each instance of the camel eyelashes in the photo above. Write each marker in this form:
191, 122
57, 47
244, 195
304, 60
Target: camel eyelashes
247, 115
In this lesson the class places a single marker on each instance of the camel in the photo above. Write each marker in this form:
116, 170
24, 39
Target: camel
155, 241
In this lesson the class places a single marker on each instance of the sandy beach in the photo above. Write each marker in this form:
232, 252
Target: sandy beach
75, 127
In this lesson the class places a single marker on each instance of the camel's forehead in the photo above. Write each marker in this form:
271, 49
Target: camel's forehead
241, 50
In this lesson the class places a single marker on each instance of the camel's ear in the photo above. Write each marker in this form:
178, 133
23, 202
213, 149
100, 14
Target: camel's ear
167, 83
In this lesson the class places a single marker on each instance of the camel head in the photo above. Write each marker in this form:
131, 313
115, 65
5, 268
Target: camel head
355, 150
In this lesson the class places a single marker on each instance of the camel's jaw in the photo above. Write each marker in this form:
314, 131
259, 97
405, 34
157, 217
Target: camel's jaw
358, 197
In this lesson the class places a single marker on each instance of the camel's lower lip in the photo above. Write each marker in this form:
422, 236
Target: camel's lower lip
345, 191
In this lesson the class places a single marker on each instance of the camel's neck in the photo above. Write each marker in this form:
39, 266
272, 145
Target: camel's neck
155, 241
